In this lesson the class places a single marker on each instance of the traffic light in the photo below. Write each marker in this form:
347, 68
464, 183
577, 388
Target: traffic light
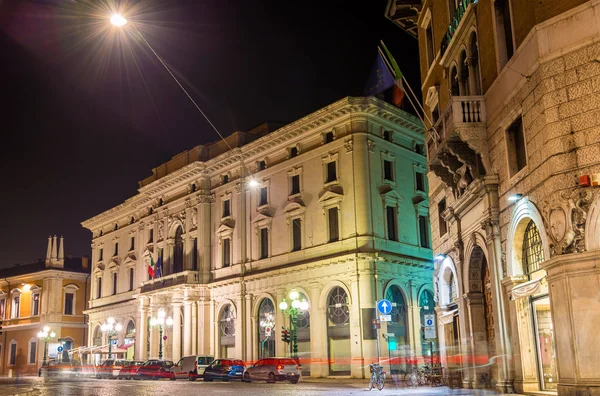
285, 334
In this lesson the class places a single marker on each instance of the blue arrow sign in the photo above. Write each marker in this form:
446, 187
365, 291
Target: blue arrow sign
59, 349
384, 306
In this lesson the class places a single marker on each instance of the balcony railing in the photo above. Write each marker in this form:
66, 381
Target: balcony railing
460, 110
460, 11
179, 278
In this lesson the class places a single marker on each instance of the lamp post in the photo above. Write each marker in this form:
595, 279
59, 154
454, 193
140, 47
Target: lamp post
267, 323
160, 322
111, 328
294, 310
46, 335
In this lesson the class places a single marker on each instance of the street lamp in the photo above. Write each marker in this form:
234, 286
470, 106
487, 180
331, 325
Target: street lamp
46, 335
267, 323
111, 328
296, 308
160, 322
118, 20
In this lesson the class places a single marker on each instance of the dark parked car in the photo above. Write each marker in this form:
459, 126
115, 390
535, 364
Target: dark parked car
273, 370
129, 371
224, 369
110, 368
155, 369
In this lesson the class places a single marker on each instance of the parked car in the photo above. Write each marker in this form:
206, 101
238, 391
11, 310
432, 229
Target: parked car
110, 368
155, 369
191, 367
273, 370
55, 368
130, 369
224, 369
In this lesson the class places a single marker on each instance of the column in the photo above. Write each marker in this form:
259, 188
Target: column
478, 340
413, 313
240, 336
250, 329
194, 328
141, 331
366, 298
153, 333
281, 348
187, 328
176, 331
188, 243
362, 187
205, 199
213, 328
318, 334
205, 328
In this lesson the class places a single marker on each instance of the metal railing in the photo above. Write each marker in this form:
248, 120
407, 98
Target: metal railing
179, 278
460, 11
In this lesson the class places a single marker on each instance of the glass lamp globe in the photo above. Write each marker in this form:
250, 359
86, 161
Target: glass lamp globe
52, 335
296, 304
283, 305
40, 334
46, 329
110, 320
294, 295
118, 327
104, 327
153, 322
304, 305
169, 321
161, 314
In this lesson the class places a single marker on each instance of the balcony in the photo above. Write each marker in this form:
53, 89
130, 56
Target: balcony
461, 10
457, 145
180, 278
405, 14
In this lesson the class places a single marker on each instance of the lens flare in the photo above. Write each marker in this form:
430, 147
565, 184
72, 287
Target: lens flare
118, 20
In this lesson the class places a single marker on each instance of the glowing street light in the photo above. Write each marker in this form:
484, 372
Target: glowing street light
160, 322
297, 307
111, 328
46, 335
118, 20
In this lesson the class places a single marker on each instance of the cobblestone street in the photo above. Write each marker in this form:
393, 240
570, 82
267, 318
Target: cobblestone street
92, 387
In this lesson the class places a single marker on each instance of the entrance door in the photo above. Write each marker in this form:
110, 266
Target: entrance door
545, 344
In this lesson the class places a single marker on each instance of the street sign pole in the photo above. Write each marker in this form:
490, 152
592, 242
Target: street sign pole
378, 346
384, 307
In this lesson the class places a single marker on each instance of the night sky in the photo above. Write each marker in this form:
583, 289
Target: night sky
87, 111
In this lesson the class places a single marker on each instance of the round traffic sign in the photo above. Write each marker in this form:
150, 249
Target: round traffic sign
165, 338
429, 322
59, 349
384, 306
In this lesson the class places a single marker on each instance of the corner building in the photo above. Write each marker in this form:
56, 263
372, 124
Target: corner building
333, 205
512, 92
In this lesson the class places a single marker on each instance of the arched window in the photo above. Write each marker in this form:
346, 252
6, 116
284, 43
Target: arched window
130, 330
266, 318
452, 292
227, 321
97, 341
533, 254
178, 251
464, 75
474, 63
454, 87
338, 312
394, 295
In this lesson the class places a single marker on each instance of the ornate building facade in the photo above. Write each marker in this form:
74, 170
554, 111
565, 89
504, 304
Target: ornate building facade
52, 292
512, 95
333, 206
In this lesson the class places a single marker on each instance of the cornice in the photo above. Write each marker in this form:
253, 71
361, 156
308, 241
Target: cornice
346, 107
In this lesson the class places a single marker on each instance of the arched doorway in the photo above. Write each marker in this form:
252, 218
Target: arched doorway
427, 307
129, 340
397, 337
454, 84
227, 332
178, 251
338, 331
266, 318
464, 75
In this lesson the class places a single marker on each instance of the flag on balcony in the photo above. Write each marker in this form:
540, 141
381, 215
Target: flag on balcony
398, 95
380, 79
151, 267
158, 268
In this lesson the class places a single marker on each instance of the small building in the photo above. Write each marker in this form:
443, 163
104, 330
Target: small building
53, 293
332, 206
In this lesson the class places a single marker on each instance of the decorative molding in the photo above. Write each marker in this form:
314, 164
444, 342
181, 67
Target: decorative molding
349, 145
371, 145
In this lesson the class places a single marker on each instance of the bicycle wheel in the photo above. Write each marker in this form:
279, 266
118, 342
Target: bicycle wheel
371, 383
380, 382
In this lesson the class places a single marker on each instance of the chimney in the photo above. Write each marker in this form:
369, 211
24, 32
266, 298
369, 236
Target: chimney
61, 249
85, 262
49, 250
53, 255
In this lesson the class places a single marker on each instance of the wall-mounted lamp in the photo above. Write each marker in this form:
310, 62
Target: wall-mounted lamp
515, 197
440, 257
26, 288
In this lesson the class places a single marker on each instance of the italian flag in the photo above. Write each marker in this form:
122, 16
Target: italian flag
151, 267
398, 95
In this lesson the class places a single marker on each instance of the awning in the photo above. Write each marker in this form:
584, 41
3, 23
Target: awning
104, 351
127, 346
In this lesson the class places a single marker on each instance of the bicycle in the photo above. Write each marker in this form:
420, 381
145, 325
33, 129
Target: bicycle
377, 376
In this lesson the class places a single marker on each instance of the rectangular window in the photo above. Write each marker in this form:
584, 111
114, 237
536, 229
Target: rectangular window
296, 235
435, 113
225, 179
226, 208
116, 249
195, 255
442, 223
36, 304
262, 165
32, 352
69, 297
264, 243
12, 358
293, 152
329, 137
387, 135
226, 252
420, 181
100, 254
390, 214
429, 43
264, 196
331, 172
132, 244
503, 31
99, 288
515, 147
423, 232
151, 236
131, 278
334, 230
16, 308
114, 283
295, 184
388, 170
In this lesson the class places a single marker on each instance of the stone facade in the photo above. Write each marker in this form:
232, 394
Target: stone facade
329, 206
49, 293
516, 129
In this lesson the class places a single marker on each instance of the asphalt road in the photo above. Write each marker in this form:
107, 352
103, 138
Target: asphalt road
93, 387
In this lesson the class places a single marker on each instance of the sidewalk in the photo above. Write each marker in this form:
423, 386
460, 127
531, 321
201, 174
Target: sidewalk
24, 390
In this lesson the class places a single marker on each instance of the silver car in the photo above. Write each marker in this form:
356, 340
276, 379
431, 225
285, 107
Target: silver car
273, 370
